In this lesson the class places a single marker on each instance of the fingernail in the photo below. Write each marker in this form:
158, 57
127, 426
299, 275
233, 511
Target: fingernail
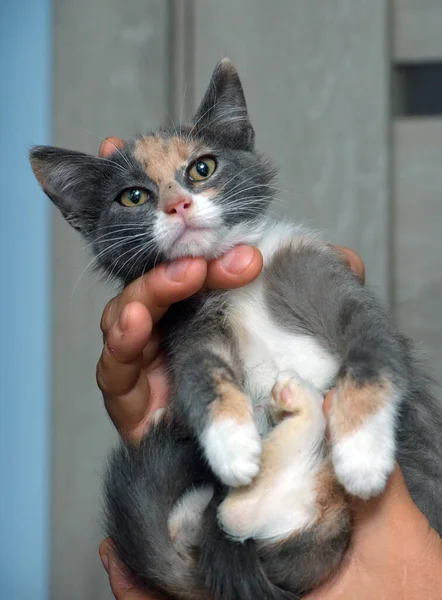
176, 270
105, 561
237, 260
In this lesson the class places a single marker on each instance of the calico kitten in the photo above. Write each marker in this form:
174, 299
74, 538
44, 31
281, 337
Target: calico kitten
234, 493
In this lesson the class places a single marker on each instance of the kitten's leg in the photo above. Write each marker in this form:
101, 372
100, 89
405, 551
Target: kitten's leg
295, 510
210, 401
362, 425
282, 499
328, 303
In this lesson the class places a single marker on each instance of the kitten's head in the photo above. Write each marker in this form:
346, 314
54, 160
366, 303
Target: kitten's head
193, 190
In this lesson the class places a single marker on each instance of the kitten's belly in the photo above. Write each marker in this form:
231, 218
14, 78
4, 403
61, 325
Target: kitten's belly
266, 349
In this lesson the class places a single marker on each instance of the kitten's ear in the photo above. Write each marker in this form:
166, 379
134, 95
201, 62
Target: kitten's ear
224, 109
73, 181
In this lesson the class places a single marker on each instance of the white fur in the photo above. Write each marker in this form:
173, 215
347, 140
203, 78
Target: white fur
284, 500
188, 511
281, 234
364, 460
233, 450
197, 237
204, 234
268, 348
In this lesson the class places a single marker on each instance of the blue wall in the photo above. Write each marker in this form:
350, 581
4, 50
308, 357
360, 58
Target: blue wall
25, 67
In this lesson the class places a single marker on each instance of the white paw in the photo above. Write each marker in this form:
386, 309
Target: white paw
364, 459
233, 450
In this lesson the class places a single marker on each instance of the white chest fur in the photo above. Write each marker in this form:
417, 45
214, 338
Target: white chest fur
267, 348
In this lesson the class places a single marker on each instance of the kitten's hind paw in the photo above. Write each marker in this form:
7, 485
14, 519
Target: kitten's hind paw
364, 459
292, 395
233, 450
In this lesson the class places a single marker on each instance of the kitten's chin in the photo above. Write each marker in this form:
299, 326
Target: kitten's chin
199, 242
212, 243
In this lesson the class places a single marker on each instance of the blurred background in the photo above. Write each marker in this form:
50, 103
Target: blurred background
345, 96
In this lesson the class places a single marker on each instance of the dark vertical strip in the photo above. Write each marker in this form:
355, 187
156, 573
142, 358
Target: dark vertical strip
420, 88
181, 81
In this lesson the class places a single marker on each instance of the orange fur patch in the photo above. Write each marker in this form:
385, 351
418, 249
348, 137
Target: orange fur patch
161, 157
331, 500
230, 403
353, 403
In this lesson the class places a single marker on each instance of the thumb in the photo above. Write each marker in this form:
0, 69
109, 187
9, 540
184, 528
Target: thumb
391, 518
391, 535
120, 583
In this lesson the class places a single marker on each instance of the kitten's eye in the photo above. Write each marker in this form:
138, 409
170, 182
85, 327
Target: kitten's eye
133, 197
201, 169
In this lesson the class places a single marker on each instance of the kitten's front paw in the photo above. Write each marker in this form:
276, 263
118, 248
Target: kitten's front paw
233, 451
364, 460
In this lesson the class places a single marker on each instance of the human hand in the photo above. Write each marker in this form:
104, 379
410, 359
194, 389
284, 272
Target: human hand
394, 552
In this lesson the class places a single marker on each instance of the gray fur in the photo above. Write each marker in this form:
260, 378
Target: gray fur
308, 290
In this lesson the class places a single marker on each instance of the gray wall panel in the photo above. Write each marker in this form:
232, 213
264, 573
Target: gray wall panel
316, 80
417, 30
418, 240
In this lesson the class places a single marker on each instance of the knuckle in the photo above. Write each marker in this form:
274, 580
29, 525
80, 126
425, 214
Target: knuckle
107, 316
101, 377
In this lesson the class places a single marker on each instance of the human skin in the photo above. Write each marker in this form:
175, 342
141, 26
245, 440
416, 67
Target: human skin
394, 552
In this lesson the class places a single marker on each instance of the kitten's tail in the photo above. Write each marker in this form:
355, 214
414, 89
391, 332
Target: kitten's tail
142, 486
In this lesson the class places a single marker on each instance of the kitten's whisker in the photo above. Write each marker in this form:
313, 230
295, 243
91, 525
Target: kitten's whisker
109, 235
256, 186
120, 242
128, 223
172, 121
201, 117
220, 118
182, 106
144, 247
242, 182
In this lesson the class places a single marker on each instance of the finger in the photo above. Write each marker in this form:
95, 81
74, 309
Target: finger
121, 585
122, 355
158, 289
236, 268
353, 261
120, 375
110, 145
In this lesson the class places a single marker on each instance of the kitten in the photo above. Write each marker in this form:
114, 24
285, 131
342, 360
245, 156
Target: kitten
235, 493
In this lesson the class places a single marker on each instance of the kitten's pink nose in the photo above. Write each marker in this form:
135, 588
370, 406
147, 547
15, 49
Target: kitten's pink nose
178, 207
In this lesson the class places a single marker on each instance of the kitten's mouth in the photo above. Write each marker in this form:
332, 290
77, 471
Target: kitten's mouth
193, 240
191, 233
